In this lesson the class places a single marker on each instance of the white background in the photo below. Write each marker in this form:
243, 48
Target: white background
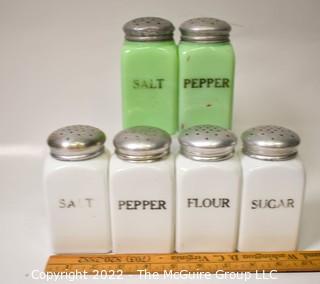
59, 65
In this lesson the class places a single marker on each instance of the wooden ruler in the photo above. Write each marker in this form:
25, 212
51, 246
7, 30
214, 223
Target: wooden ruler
294, 261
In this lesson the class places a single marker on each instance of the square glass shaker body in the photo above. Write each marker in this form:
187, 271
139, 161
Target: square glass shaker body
149, 74
207, 98
142, 230
77, 198
213, 228
272, 199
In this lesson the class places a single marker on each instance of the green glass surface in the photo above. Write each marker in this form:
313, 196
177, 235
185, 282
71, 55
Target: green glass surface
150, 84
206, 79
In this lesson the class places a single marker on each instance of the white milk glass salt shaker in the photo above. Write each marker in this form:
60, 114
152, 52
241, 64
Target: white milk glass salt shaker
76, 186
208, 175
142, 191
273, 189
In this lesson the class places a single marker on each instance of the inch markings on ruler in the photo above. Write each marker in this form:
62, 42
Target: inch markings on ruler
295, 261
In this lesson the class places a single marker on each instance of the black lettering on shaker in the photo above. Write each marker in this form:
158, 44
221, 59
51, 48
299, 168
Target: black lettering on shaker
186, 82
89, 201
160, 81
135, 84
198, 83
75, 203
142, 205
208, 203
272, 203
225, 83
62, 203
148, 83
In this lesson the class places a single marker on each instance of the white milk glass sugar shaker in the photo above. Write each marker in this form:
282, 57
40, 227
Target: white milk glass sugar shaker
142, 191
76, 186
208, 180
273, 189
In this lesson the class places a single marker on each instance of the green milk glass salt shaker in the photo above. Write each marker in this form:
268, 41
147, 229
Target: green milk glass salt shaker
149, 74
206, 73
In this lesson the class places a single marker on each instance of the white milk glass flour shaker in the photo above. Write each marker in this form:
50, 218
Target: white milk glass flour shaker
208, 175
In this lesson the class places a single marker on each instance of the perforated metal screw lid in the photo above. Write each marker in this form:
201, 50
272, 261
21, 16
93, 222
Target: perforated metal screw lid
205, 30
207, 143
142, 143
76, 143
148, 29
269, 142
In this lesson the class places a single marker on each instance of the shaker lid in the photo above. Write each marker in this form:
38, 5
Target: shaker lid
205, 30
142, 143
269, 142
148, 29
76, 143
207, 143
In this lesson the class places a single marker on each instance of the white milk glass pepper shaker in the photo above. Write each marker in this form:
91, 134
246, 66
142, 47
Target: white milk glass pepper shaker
76, 185
273, 189
142, 191
208, 175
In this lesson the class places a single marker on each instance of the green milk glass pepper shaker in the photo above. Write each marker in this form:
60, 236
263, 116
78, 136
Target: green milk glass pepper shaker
149, 63
206, 73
